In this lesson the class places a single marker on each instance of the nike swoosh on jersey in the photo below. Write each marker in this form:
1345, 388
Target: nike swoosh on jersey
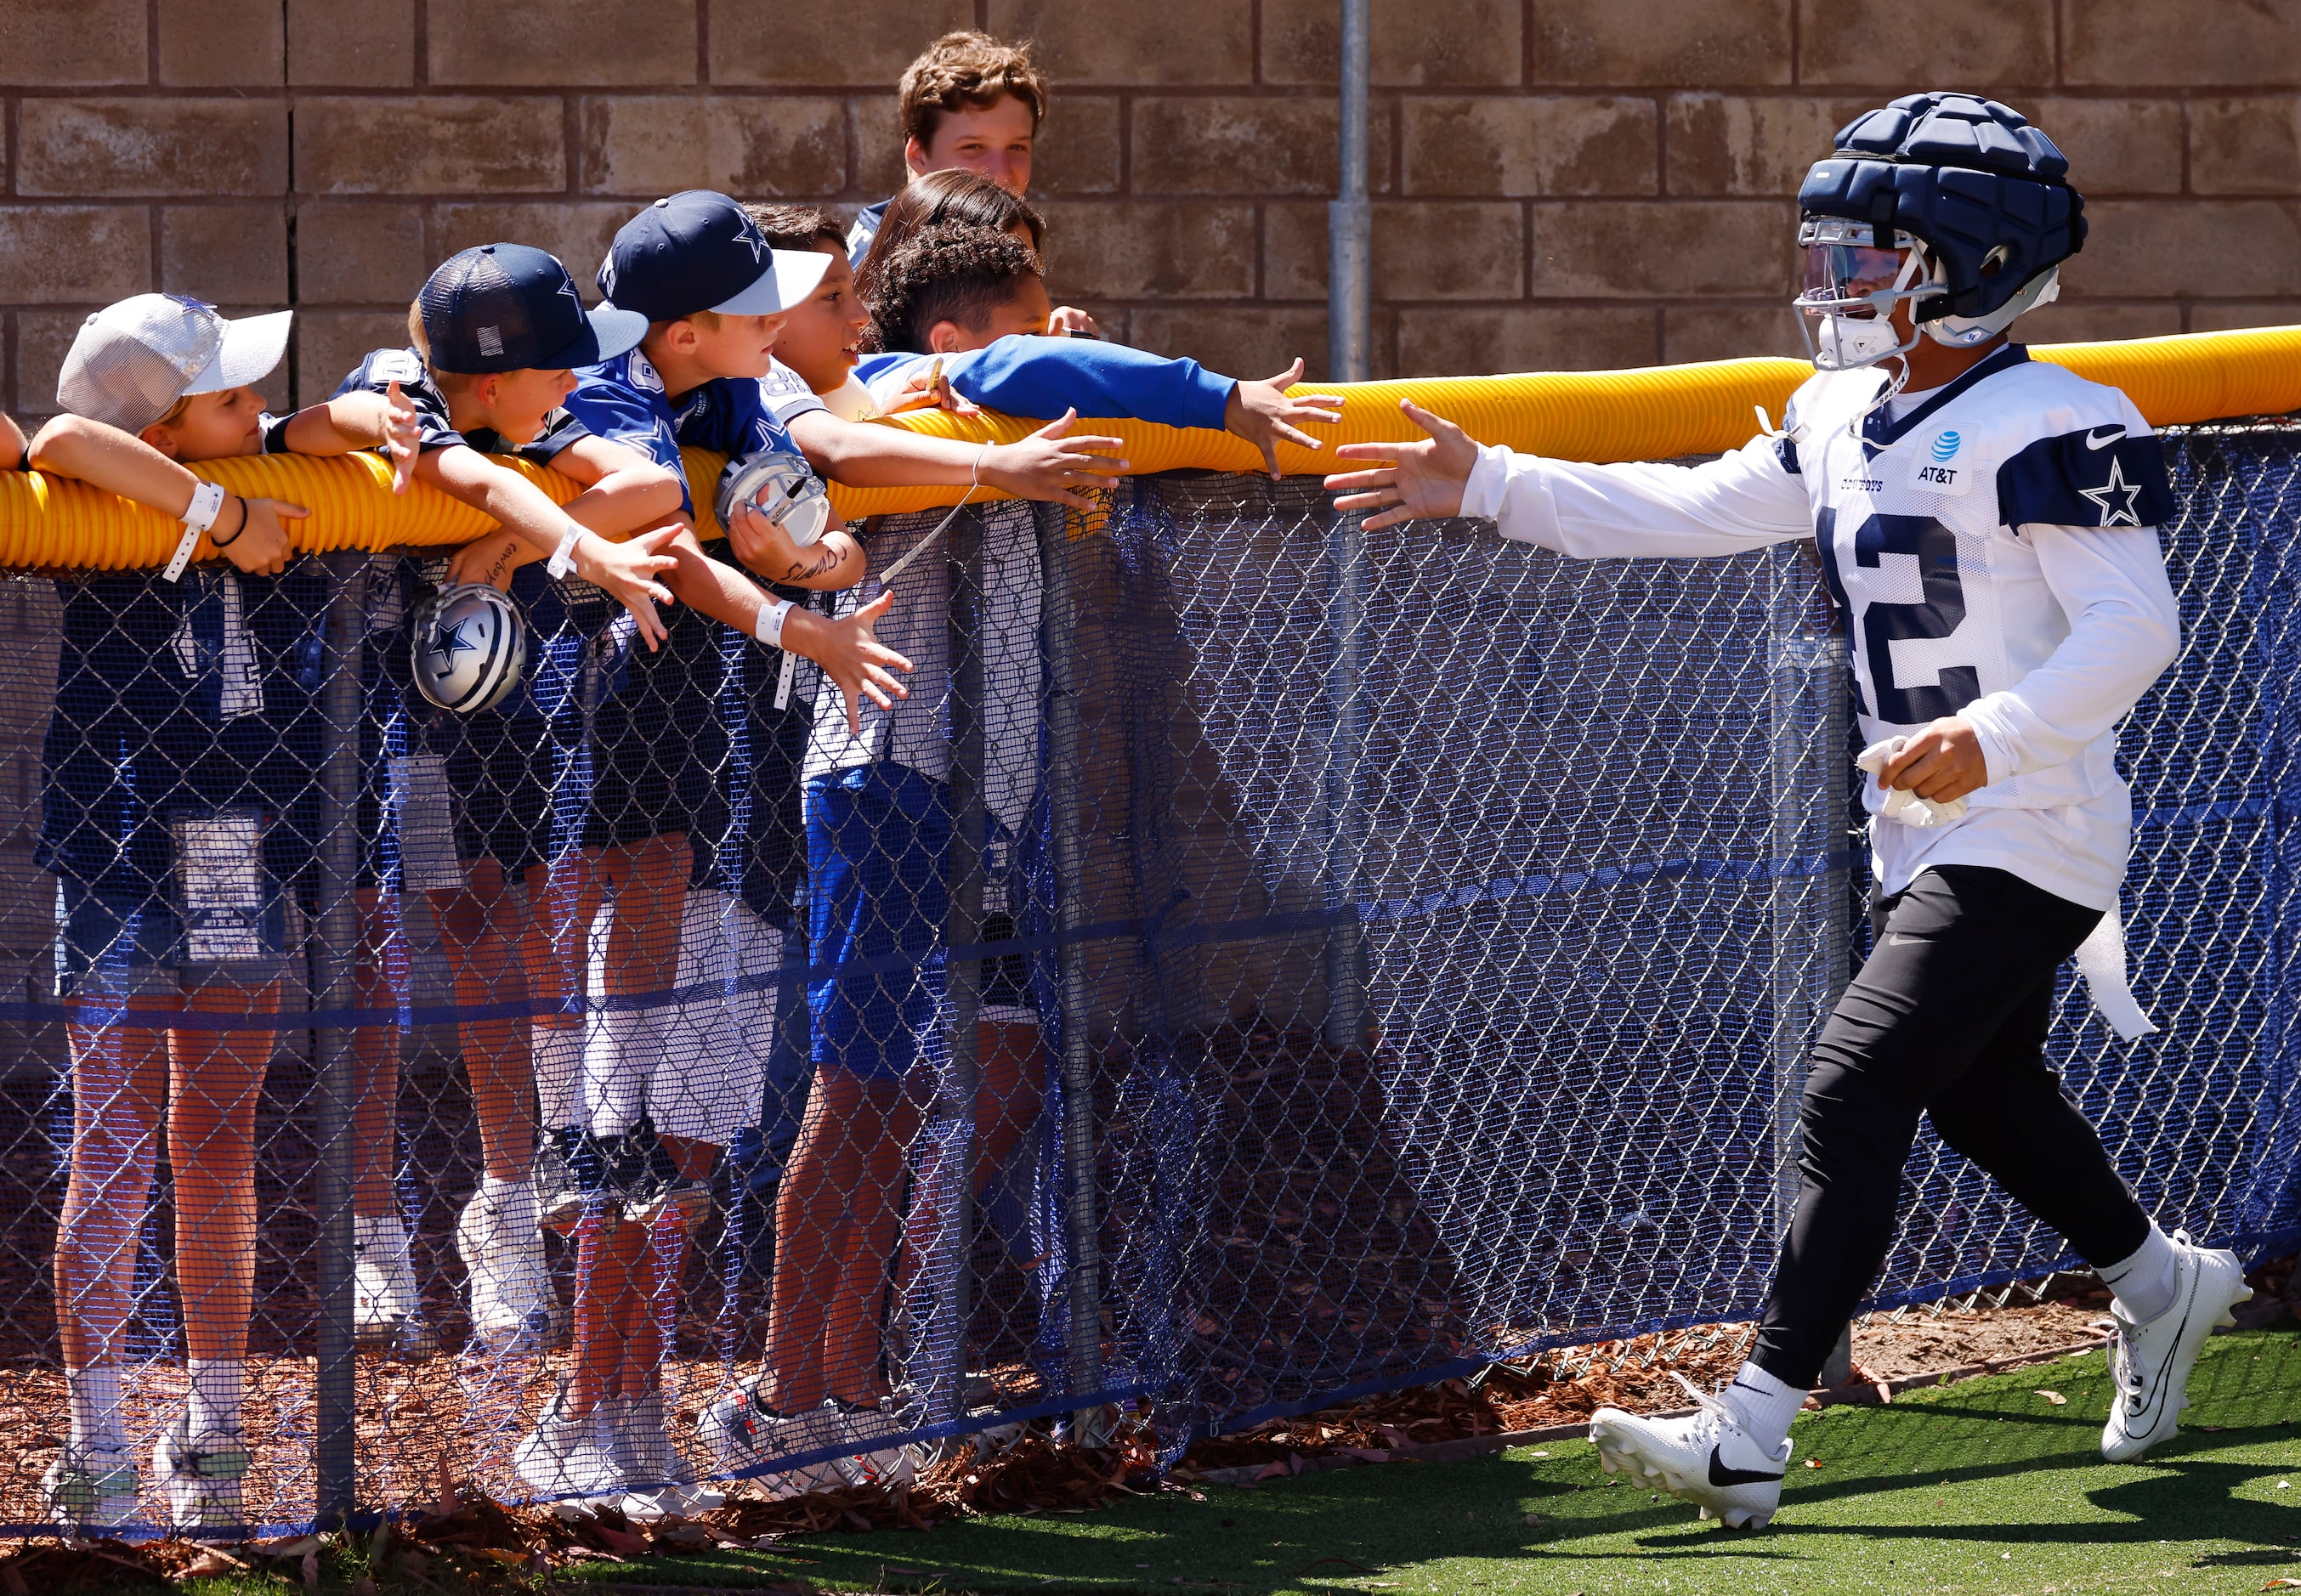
1719, 1474
2095, 440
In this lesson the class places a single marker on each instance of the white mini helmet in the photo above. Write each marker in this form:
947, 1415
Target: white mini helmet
783, 488
469, 648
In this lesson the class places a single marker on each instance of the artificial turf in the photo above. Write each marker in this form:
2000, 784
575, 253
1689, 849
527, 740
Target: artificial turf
1984, 1486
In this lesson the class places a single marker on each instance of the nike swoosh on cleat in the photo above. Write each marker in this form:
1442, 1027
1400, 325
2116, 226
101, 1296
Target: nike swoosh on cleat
2095, 440
1719, 1474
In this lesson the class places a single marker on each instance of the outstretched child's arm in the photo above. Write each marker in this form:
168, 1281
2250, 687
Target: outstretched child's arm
1048, 464
11, 443
246, 531
361, 420
850, 653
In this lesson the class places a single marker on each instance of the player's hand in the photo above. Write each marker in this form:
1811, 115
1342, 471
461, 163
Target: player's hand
852, 654
492, 560
263, 546
402, 436
1941, 761
1070, 322
1263, 413
1051, 465
1425, 480
628, 572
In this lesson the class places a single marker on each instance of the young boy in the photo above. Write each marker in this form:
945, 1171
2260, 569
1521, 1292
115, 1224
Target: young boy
180, 785
880, 832
1987, 526
970, 101
494, 338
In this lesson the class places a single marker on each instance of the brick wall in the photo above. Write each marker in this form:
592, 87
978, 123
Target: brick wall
1563, 183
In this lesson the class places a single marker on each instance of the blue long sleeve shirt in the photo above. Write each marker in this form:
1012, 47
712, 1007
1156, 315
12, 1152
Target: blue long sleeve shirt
1027, 374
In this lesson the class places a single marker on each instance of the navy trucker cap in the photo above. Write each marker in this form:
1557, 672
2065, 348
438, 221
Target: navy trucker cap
506, 308
698, 250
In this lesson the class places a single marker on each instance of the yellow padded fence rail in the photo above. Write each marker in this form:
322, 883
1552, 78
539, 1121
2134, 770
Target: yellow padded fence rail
1655, 413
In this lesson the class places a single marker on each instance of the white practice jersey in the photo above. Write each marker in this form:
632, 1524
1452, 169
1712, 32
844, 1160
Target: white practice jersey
1993, 552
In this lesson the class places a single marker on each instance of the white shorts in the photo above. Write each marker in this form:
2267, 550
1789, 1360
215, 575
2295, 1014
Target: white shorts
711, 1079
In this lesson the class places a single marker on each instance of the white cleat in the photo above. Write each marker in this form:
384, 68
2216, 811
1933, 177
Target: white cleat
660, 1482
515, 1310
92, 1490
566, 1458
738, 1432
202, 1474
387, 1311
2150, 1362
1706, 1458
861, 1427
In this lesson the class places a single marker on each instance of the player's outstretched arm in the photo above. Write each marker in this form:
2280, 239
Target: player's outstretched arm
249, 532
850, 653
1420, 481
1050, 465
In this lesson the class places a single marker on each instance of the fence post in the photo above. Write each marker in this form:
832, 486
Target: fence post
1350, 220
1342, 826
335, 1456
1066, 797
1807, 841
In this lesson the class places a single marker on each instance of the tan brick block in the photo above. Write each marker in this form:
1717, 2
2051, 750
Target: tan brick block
1526, 338
1608, 248
221, 43
2227, 249
368, 46
2115, 147
430, 144
2250, 146
2234, 314
1691, 333
2120, 42
81, 148
1294, 251
1970, 44
1180, 41
1150, 249
646, 145
577, 232
1662, 41
856, 42
1448, 249
74, 255
1076, 151
1410, 43
875, 127
610, 43
1746, 145
1529, 146
63, 44
42, 337
360, 254
1228, 144
236, 253
2079, 321
1246, 340
330, 345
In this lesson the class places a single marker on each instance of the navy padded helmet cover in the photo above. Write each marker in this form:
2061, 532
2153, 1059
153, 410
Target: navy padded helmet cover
1965, 174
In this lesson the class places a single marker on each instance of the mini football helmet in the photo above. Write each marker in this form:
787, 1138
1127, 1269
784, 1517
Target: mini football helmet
781, 487
469, 648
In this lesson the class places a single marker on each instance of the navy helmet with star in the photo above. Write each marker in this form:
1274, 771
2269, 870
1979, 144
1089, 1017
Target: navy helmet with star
698, 250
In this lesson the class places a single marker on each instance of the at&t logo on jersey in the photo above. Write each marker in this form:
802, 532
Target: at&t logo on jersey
1934, 472
1946, 447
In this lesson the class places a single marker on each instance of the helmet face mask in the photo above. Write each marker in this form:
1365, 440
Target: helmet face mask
1852, 286
779, 485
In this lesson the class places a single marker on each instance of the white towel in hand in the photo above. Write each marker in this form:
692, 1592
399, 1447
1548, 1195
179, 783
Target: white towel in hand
1901, 803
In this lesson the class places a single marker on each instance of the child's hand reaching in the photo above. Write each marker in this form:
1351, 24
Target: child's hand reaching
262, 546
930, 389
1051, 465
491, 559
402, 436
1263, 413
850, 653
627, 571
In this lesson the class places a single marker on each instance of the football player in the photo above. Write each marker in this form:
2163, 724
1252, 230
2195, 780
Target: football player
1987, 527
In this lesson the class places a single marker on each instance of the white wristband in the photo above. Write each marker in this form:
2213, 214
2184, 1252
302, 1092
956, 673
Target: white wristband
563, 558
769, 626
207, 500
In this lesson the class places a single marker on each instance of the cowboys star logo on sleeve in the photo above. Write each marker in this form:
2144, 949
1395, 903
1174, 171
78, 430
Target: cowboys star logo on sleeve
2119, 514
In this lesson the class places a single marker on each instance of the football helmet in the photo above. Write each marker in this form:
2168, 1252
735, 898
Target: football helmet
1950, 200
781, 487
469, 648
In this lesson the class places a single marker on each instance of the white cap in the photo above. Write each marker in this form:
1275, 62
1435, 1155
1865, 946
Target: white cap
133, 361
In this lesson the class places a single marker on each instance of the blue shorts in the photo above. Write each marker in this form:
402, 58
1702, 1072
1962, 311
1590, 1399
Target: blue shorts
878, 843
118, 945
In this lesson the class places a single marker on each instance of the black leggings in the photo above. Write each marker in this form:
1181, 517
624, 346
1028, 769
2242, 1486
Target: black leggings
1946, 1019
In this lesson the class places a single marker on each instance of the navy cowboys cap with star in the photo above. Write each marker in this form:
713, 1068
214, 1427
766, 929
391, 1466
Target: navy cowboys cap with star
698, 250
506, 308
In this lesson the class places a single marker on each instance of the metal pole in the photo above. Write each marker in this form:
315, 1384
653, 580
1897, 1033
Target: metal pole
1345, 827
1066, 774
335, 1456
1350, 223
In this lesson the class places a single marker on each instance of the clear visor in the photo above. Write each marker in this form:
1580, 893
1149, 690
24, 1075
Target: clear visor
1848, 273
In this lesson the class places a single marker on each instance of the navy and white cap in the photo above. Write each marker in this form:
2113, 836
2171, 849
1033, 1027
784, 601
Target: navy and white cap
131, 361
506, 308
699, 250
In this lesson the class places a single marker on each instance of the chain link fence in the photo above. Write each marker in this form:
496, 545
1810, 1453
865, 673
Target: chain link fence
1261, 963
